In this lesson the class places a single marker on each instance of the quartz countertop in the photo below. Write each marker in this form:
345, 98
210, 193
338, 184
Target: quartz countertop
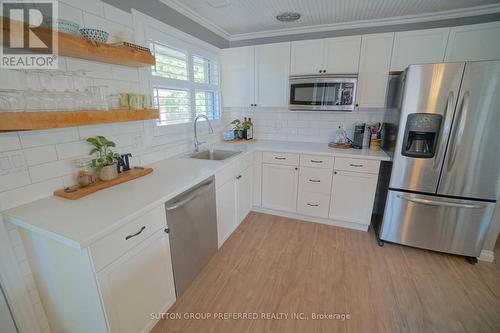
79, 223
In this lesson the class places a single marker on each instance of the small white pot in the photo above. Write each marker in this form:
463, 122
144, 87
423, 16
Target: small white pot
108, 172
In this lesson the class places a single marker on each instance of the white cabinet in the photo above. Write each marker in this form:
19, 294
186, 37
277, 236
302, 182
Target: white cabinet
342, 55
352, 196
272, 66
138, 284
418, 47
279, 187
474, 42
374, 66
237, 76
244, 193
331, 56
255, 75
226, 210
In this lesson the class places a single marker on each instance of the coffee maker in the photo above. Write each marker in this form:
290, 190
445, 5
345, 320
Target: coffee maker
359, 132
421, 133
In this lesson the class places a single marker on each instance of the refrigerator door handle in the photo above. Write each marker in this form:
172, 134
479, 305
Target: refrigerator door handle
458, 130
440, 203
443, 134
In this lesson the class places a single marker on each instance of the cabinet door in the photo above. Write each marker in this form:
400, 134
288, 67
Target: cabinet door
279, 187
474, 42
418, 47
374, 64
342, 55
245, 193
352, 196
272, 66
237, 79
307, 57
137, 284
226, 210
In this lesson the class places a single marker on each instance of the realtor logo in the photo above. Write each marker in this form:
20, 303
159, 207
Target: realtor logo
27, 40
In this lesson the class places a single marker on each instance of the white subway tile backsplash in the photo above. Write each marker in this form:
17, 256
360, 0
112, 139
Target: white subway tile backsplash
93, 69
38, 155
25, 194
72, 149
48, 137
70, 13
117, 15
152, 157
13, 180
9, 141
125, 73
92, 6
94, 130
51, 170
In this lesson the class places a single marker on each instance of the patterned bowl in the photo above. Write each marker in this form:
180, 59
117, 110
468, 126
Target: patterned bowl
66, 26
94, 35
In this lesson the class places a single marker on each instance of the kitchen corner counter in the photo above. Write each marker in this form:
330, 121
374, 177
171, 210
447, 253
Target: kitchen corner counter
80, 223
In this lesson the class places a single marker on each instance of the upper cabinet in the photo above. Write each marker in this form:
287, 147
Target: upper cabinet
272, 66
474, 42
374, 63
338, 55
255, 75
418, 47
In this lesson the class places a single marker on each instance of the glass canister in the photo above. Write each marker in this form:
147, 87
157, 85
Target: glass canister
86, 175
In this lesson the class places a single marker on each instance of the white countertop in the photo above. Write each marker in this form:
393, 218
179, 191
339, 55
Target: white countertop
79, 223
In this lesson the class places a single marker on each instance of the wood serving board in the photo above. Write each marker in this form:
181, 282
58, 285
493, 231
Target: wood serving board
123, 177
240, 141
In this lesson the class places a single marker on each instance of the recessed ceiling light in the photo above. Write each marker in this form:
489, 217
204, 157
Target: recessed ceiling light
219, 3
288, 17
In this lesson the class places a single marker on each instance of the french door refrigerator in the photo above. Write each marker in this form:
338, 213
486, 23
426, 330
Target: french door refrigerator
445, 177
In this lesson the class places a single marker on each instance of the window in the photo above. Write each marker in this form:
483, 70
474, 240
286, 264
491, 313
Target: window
184, 83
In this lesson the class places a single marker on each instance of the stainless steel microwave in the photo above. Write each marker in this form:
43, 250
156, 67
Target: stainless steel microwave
322, 92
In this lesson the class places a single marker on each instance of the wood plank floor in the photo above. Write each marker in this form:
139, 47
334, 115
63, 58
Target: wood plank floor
277, 265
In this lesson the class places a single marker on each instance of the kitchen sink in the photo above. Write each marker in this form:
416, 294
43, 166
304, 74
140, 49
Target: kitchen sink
214, 154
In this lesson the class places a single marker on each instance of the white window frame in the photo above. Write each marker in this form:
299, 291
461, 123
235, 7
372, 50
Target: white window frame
150, 29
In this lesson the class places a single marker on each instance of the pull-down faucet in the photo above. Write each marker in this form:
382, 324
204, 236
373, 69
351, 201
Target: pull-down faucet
196, 142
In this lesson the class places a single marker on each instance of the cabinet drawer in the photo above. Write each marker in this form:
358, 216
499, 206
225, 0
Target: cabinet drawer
244, 162
114, 245
356, 165
280, 158
316, 161
315, 180
225, 174
313, 204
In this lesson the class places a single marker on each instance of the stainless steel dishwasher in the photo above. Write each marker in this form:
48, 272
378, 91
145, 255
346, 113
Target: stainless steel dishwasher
192, 229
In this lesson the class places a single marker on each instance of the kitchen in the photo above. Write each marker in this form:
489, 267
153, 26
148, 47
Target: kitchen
297, 235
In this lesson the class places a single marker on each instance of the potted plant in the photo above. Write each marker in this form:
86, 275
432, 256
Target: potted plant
239, 129
105, 161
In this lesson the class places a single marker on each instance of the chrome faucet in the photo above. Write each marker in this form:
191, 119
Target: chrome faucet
196, 142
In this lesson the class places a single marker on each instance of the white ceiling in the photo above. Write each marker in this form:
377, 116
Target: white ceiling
243, 19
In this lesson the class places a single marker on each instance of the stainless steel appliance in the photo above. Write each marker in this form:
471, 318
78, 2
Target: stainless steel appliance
445, 177
359, 136
322, 92
192, 229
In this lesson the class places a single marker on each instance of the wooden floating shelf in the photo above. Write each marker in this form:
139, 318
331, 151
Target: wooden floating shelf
78, 47
24, 121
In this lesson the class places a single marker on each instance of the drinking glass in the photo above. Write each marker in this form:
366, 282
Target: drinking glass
99, 97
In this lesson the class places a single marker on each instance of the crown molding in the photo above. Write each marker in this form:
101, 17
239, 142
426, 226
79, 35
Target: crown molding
191, 14
407, 19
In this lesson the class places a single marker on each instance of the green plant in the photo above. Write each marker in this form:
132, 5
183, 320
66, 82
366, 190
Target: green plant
104, 155
238, 125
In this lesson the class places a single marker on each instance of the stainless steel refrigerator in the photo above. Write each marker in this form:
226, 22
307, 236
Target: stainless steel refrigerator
445, 177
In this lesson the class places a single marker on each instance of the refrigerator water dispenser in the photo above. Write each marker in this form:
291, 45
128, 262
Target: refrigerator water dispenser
421, 134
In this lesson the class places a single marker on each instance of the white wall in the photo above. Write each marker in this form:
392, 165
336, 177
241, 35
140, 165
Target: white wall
35, 163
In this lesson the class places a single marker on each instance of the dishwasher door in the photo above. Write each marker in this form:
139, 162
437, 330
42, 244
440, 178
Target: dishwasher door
192, 220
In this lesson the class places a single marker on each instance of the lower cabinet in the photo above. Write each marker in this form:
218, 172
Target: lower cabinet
352, 196
279, 187
244, 185
226, 210
138, 284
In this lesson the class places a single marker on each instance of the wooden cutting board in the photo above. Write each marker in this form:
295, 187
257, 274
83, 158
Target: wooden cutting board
74, 193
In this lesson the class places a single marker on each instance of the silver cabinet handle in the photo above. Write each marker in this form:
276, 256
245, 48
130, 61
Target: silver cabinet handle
137, 233
315, 161
314, 181
280, 158
356, 165
239, 177
458, 130
444, 130
439, 203
312, 205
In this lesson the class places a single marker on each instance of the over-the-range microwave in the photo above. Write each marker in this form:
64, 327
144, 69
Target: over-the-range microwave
322, 92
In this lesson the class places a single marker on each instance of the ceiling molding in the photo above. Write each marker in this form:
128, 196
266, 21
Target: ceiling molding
191, 14
443, 15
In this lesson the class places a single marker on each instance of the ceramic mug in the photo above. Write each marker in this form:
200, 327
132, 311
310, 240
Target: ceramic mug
135, 101
146, 102
124, 100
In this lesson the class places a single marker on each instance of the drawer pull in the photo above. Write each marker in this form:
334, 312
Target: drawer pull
314, 181
312, 205
356, 165
280, 158
315, 161
137, 233
239, 177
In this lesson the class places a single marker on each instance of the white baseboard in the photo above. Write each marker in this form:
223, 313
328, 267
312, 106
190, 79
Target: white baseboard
487, 256
337, 223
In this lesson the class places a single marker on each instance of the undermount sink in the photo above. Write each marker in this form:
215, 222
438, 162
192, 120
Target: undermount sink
214, 154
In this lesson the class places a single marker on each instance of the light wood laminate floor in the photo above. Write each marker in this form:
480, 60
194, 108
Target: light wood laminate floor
277, 265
